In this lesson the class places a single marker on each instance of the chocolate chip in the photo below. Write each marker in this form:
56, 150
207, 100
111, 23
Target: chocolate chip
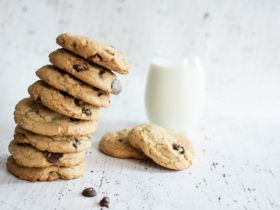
74, 119
96, 57
89, 192
86, 111
77, 102
74, 44
116, 87
102, 71
77, 143
104, 202
179, 148
52, 157
80, 68
100, 94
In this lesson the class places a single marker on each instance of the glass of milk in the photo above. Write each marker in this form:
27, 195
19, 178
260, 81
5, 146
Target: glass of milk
175, 93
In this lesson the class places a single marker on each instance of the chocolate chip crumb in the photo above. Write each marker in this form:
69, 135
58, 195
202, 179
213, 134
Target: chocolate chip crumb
52, 157
179, 148
104, 202
89, 192
86, 111
116, 87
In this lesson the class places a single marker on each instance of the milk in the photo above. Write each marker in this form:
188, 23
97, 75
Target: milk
175, 93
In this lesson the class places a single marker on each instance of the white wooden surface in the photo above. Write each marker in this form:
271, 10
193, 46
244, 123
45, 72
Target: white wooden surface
237, 141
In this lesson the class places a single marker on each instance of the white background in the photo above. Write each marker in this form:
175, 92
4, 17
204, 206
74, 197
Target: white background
239, 45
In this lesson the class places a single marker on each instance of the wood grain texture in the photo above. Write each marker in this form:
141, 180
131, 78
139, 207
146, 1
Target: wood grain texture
237, 143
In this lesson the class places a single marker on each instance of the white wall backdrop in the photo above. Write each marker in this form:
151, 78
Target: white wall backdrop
237, 40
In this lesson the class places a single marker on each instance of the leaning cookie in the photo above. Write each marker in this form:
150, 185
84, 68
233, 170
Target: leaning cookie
49, 173
33, 116
28, 156
62, 103
74, 87
116, 144
164, 147
87, 72
54, 144
95, 52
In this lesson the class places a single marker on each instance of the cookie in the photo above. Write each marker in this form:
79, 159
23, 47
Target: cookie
116, 144
74, 87
28, 156
33, 116
96, 52
55, 144
89, 73
62, 103
49, 173
164, 147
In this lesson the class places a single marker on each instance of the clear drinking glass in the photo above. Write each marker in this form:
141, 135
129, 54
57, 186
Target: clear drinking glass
175, 93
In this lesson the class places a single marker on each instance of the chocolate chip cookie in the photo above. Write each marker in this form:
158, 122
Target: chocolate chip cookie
116, 144
166, 148
54, 144
95, 52
62, 102
91, 74
33, 116
49, 173
74, 87
28, 156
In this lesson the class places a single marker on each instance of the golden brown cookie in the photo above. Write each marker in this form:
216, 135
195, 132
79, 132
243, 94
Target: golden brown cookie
87, 72
28, 156
164, 147
55, 144
35, 117
44, 174
74, 87
59, 101
116, 144
95, 52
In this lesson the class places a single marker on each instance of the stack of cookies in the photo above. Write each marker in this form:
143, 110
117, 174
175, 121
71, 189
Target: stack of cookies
54, 123
166, 148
